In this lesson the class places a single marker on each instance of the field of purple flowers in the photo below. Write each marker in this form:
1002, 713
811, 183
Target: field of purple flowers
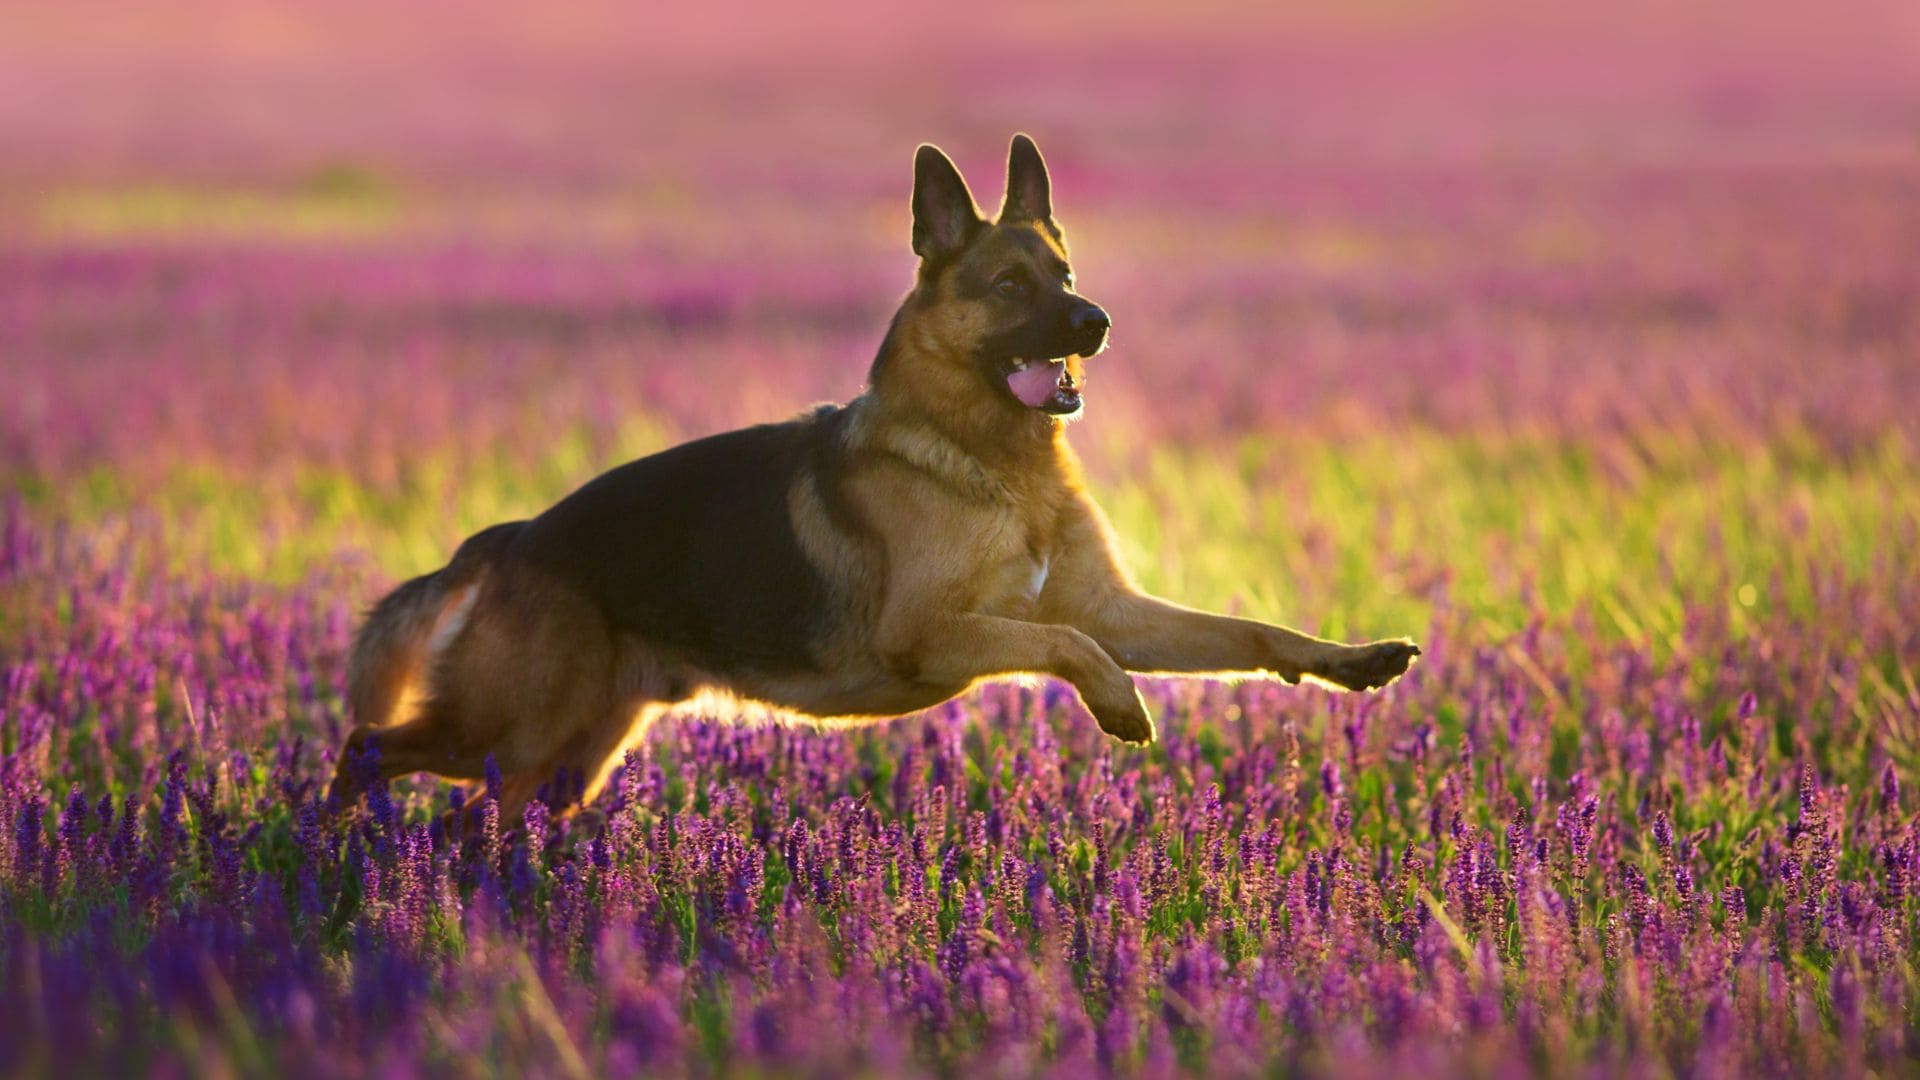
1585, 350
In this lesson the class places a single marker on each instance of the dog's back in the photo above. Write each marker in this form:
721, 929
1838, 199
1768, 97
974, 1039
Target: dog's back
741, 594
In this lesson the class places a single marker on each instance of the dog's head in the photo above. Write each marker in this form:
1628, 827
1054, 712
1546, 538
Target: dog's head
997, 297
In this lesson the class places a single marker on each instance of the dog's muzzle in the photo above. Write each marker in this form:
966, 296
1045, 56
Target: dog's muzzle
1047, 383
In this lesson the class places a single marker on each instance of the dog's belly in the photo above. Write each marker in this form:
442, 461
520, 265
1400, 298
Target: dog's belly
853, 682
842, 696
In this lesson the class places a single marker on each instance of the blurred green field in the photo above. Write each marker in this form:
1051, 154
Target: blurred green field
1348, 537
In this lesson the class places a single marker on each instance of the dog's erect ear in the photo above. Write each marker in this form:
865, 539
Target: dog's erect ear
1029, 192
944, 216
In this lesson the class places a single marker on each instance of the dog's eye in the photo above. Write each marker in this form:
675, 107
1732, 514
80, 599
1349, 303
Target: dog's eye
1011, 286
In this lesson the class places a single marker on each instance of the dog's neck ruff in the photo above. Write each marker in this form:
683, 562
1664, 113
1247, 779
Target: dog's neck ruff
929, 449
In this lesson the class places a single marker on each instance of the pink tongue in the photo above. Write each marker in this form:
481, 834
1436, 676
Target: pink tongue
1034, 385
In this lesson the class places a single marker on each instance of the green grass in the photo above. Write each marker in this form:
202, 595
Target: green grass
1350, 540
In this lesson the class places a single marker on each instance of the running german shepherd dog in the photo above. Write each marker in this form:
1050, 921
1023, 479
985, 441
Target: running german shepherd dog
857, 562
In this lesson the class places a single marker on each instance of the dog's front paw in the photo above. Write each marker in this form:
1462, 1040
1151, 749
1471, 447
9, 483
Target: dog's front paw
1124, 716
1369, 666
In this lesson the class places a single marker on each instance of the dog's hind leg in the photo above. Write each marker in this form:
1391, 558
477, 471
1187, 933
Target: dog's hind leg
571, 779
393, 647
645, 685
420, 744
391, 655
536, 679
401, 640
434, 742
626, 730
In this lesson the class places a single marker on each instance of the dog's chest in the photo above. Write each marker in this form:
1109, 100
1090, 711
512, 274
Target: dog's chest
1037, 577
1015, 580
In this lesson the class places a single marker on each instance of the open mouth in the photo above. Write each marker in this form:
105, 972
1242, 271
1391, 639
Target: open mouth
1046, 385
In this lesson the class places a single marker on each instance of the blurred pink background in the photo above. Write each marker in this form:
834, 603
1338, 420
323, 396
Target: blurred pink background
1453, 215
507, 95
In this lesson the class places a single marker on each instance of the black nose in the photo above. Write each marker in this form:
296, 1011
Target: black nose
1091, 319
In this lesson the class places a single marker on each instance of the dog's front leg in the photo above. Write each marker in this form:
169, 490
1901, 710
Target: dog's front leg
1090, 590
1147, 634
958, 649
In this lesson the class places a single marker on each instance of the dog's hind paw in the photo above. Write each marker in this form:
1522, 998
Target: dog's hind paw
1369, 666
